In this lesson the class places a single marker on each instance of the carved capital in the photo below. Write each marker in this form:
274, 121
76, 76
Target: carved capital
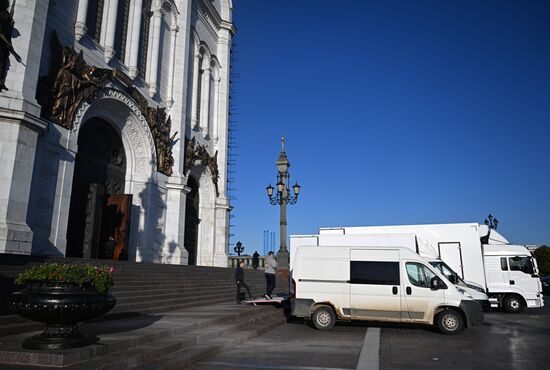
80, 30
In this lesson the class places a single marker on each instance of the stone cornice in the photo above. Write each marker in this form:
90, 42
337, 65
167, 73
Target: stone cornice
33, 122
228, 26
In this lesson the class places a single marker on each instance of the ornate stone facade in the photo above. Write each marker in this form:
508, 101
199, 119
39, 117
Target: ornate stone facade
153, 73
72, 82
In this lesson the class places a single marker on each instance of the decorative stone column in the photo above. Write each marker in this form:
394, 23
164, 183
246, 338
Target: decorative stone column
134, 36
155, 49
80, 24
215, 112
110, 30
205, 96
225, 35
170, 94
195, 94
174, 251
20, 126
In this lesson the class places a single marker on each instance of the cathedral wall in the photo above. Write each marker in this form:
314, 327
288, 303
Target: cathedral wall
157, 226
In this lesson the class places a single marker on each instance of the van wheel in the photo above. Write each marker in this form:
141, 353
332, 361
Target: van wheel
450, 322
512, 304
323, 318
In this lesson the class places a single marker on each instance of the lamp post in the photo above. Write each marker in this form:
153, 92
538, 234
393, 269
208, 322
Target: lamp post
282, 198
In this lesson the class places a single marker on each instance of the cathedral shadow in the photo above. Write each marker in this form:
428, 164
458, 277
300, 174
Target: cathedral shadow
119, 322
151, 236
44, 181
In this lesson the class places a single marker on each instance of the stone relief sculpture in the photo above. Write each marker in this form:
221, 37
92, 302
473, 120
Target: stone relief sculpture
71, 81
6, 48
197, 154
160, 128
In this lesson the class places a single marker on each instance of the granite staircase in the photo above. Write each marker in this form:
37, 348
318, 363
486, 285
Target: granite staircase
139, 287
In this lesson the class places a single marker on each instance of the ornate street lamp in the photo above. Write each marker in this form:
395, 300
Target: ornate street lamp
492, 222
282, 198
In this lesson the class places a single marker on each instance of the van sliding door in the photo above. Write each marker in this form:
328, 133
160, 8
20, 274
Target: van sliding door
375, 290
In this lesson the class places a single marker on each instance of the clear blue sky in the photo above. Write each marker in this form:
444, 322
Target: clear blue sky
394, 112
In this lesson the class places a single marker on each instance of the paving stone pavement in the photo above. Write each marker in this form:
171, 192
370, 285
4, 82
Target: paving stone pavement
295, 346
505, 341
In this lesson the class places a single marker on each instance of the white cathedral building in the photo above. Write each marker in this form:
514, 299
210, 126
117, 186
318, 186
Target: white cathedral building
114, 125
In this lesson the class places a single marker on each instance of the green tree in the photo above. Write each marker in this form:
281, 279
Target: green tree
542, 254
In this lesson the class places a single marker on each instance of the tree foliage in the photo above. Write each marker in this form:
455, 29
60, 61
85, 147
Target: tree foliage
542, 254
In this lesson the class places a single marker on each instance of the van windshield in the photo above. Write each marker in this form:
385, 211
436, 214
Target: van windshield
447, 271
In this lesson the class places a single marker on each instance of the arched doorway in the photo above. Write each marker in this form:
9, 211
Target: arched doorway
192, 221
98, 208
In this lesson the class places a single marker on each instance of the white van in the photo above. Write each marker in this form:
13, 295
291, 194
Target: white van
406, 240
376, 283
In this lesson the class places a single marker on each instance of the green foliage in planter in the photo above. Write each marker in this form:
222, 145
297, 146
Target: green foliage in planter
99, 277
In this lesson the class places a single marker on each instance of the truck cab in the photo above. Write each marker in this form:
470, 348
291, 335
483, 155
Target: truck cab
512, 277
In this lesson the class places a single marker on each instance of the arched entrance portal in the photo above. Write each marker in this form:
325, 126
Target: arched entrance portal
192, 221
99, 208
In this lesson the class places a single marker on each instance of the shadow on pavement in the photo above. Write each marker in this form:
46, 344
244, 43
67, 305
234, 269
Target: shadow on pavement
119, 322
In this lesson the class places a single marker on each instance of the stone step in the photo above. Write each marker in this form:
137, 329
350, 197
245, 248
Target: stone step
151, 351
137, 341
19, 327
195, 296
184, 358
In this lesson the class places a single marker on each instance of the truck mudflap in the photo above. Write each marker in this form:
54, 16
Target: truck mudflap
300, 307
473, 311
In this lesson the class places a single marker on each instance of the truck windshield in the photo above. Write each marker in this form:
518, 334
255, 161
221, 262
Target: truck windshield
521, 263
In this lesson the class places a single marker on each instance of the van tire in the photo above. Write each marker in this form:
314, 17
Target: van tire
512, 304
450, 322
323, 318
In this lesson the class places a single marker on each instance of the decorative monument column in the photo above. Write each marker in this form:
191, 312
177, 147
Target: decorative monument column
283, 198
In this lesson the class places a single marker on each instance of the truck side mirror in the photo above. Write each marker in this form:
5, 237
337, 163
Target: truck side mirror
454, 278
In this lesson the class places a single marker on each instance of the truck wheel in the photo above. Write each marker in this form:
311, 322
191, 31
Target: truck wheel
323, 318
450, 322
512, 304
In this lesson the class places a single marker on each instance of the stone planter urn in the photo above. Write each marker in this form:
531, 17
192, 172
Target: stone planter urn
61, 305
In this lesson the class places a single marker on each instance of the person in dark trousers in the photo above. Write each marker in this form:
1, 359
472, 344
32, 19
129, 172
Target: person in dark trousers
255, 260
270, 267
110, 247
239, 279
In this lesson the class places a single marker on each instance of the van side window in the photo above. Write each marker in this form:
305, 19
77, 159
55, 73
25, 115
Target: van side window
419, 275
503, 264
375, 273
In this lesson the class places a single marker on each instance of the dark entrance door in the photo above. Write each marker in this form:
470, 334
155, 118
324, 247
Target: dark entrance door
192, 221
115, 221
98, 206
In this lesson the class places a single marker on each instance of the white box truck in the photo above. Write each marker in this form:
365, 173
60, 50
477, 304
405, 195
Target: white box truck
409, 241
479, 255
376, 283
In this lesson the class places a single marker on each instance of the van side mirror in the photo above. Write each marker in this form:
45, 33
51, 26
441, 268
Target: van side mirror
436, 284
454, 278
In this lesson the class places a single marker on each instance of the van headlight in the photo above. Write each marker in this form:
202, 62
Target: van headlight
464, 293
